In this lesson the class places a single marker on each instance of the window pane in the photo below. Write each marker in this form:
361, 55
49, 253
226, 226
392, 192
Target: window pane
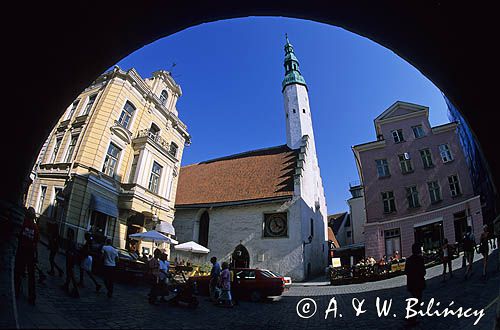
163, 97
90, 103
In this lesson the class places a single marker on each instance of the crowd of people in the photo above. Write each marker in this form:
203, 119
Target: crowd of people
221, 277
76, 258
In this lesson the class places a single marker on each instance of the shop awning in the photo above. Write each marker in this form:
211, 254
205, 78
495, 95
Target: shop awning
355, 246
103, 205
165, 228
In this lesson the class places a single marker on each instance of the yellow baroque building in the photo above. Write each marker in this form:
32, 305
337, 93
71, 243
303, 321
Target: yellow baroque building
110, 164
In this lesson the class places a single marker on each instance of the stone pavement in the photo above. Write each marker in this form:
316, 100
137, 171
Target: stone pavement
129, 308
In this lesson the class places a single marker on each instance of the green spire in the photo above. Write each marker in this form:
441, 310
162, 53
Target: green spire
292, 71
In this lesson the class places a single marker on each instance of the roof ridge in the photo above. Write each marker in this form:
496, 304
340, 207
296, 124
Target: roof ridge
238, 155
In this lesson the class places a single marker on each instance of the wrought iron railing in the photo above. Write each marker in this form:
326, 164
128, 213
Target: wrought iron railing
155, 137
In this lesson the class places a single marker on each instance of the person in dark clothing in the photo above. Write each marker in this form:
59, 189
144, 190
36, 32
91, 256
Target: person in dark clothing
84, 253
214, 279
71, 261
415, 275
54, 248
154, 272
26, 255
484, 249
468, 242
447, 256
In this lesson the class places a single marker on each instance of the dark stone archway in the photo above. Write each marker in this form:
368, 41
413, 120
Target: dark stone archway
240, 257
52, 51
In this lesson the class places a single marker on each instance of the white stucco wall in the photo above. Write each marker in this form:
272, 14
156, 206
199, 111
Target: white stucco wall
358, 218
230, 226
310, 185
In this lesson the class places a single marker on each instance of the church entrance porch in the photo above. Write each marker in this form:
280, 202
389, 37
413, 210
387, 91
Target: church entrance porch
240, 257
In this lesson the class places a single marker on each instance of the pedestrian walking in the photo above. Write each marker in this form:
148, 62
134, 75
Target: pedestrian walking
53, 246
484, 249
86, 263
26, 255
468, 242
415, 275
225, 284
71, 261
110, 255
154, 272
447, 256
234, 296
214, 279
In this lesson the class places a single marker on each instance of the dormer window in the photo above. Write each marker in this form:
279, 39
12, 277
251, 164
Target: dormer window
164, 97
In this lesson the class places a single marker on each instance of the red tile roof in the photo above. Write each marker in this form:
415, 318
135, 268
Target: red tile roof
331, 237
254, 175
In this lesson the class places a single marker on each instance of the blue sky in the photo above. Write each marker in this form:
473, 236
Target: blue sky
230, 73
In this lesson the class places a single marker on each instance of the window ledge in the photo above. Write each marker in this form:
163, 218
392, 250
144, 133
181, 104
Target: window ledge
408, 172
399, 141
429, 167
450, 161
457, 196
414, 207
391, 212
384, 177
437, 202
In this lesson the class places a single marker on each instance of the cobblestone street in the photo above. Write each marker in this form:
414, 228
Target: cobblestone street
129, 307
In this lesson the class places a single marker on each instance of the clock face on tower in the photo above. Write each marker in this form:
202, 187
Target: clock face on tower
275, 225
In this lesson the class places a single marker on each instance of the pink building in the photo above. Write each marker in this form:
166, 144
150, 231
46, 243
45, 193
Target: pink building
416, 183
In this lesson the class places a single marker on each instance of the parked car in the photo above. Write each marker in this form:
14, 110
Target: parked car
127, 267
249, 283
287, 279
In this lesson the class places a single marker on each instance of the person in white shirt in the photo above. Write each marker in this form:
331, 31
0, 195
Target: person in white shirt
110, 255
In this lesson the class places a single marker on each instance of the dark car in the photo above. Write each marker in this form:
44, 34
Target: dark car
248, 283
127, 267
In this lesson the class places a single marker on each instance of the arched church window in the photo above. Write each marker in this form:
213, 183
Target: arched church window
304, 110
293, 110
203, 231
163, 97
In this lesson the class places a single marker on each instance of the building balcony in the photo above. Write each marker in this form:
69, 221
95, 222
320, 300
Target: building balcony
53, 169
133, 196
146, 136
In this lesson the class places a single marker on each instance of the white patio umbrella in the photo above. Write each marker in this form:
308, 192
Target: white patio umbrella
153, 236
192, 247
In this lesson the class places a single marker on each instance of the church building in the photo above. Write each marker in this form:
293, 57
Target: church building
263, 208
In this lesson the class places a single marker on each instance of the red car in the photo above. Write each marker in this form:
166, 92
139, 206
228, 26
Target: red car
248, 283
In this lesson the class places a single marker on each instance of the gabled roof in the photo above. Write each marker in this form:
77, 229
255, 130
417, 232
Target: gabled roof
251, 176
332, 238
336, 220
399, 110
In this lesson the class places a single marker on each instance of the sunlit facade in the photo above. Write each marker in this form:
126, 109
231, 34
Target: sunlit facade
110, 164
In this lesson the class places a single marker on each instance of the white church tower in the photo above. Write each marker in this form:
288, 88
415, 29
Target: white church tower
308, 183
